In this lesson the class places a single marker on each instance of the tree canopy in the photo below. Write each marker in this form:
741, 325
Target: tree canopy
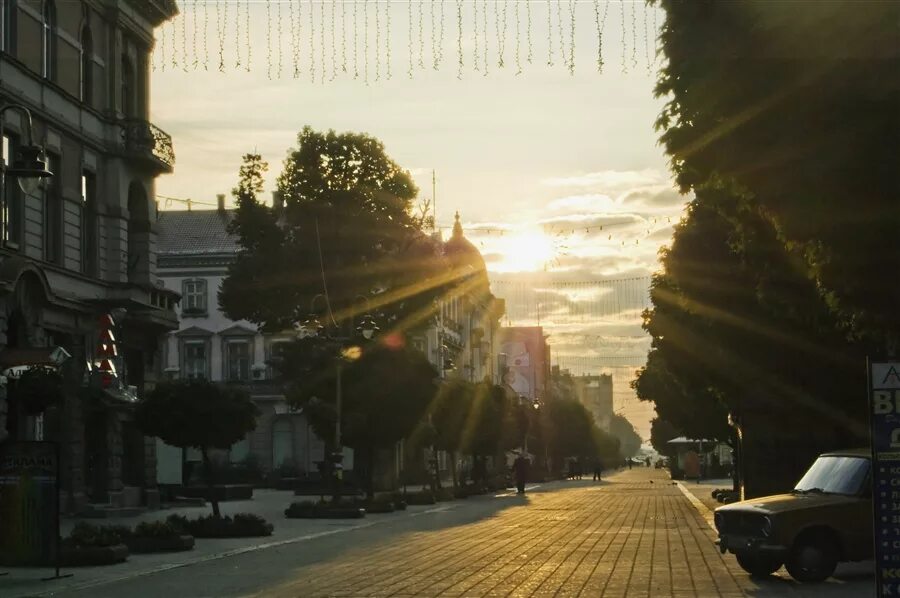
348, 230
197, 414
792, 113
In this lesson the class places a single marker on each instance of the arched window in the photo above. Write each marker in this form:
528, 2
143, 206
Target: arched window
87, 64
9, 13
48, 39
127, 86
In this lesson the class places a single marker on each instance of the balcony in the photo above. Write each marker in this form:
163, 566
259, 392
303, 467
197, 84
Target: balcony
146, 142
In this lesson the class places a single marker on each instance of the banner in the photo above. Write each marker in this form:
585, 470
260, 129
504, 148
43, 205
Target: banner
884, 396
29, 509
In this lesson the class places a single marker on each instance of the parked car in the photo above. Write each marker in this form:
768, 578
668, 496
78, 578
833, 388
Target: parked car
825, 519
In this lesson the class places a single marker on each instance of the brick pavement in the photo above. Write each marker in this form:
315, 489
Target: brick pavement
634, 535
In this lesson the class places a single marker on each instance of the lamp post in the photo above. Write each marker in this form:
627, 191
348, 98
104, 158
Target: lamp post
29, 166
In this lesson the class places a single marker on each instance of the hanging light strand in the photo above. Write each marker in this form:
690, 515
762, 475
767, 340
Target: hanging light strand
562, 39
322, 71
184, 43
549, 34
571, 37
501, 34
269, 39
377, 42
518, 41
530, 48
279, 32
295, 7
434, 60
221, 29
460, 64
205, 35
237, 34
421, 36
601, 24
343, 37
172, 36
440, 58
484, 32
624, 39
355, 39
387, 40
196, 23
475, 53
247, 35
162, 48
647, 39
634, 61
409, 30
333, 32
312, 42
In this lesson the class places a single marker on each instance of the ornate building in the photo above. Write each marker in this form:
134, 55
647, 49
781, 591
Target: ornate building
83, 244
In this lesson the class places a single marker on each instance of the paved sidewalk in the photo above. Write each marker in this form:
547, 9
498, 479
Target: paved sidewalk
636, 534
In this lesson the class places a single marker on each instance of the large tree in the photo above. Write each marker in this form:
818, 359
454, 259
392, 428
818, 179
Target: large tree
791, 109
348, 230
198, 414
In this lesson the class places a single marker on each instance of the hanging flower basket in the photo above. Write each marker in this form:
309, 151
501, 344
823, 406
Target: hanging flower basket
38, 388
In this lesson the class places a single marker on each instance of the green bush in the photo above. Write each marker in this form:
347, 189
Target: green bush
87, 535
242, 525
156, 529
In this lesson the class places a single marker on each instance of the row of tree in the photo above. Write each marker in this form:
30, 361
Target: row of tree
781, 122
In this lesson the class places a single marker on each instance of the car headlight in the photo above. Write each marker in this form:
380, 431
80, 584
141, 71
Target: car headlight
767, 526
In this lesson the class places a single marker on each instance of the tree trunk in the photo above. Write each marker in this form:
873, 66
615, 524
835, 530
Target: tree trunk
453, 472
210, 483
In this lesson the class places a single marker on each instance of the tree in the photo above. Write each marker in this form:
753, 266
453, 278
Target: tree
385, 393
793, 114
448, 415
629, 440
661, 432
197, 414
348, 229
488, 419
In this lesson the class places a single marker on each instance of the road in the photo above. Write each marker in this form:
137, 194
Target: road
637, 534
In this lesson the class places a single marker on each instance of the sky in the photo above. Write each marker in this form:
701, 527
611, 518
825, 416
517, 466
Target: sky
535, 162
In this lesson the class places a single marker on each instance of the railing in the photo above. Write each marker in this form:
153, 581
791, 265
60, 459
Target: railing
144, 138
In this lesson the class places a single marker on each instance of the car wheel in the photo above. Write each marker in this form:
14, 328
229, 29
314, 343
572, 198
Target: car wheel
813, 559
758, 565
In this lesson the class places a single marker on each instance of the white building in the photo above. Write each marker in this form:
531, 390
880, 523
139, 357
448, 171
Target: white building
195, 249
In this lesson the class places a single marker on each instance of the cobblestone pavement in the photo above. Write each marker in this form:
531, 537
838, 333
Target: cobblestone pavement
637, 534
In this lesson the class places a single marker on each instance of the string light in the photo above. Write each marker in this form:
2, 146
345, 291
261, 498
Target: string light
366, 40
421, 37
624, 40
571, 37
634, 61
549, 35
205, 35
333, 46
646, 40
323, 72
247, 33
562, 40
440, 58
387, 41
475, 54
221, 26
530, 49
434, 60
296, 16
355, 40
377, 43
312, 42
237, 34
518, 41
459, 38
269, 39
278, 45
501, 35
344, 36
601, 24
174, 49
195, 21
484, 16
184, 47
656, 34
162, 48
409, 30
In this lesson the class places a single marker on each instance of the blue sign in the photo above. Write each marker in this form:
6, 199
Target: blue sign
884, 399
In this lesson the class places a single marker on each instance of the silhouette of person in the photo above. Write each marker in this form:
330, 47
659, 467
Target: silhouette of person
520, 468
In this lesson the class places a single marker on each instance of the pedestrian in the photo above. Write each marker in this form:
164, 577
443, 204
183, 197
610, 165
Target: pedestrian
520, 469
577, 469
598, 470
570, 469
629, 464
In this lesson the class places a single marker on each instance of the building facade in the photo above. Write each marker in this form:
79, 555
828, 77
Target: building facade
83, 243
524, 357
596, 393
195, 250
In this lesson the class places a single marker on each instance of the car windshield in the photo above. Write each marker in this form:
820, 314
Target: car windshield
835, 475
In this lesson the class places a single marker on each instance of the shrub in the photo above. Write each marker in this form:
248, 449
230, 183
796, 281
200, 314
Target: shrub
242, 525
156, 529
86, 535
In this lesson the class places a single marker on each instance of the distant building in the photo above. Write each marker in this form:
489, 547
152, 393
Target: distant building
195, 250
523, 358
596, 393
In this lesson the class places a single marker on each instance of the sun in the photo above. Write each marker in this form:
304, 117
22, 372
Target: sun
525, 251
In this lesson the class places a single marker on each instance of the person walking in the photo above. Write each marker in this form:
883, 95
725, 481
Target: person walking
520, 469
598, 470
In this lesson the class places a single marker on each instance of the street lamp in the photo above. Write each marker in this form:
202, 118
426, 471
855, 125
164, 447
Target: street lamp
311, 326
29, 166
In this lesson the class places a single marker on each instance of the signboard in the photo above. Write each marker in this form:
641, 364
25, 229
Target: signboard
884, 399
29, 506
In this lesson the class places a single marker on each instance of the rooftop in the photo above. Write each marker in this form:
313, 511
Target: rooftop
195, 232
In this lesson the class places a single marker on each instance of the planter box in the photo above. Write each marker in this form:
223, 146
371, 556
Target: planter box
222, 492
89, 556
162, 544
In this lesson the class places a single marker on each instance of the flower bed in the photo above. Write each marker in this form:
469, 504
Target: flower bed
242, 525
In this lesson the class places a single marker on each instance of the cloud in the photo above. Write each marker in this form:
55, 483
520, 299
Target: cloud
594, 201
609, 179
655, 197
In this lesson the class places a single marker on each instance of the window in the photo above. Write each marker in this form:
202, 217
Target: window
127, 99
276, 357
196, 359
53, 212
48, 40
89, 223
9, 15
87, 65
237, 360
193, 296
12, 211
